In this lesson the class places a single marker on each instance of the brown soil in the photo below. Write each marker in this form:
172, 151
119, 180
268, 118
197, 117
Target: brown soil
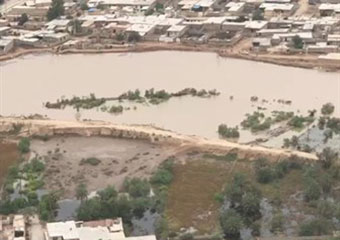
8, 156
119, 159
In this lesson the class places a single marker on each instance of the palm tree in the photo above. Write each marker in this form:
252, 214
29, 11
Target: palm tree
81, 192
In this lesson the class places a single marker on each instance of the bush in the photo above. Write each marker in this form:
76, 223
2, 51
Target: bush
225, 131
265, 175
327, 157
137, 187
163, 176
327, 109
231, 224
326, 209
277, 223
186, 236
24, 145
92, 161
316, 227
312, 190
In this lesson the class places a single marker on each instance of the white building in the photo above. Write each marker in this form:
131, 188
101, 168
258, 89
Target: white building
6, 45
109, 229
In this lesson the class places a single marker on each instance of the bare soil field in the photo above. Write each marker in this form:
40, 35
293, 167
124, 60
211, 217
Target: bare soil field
66, 165
8, 156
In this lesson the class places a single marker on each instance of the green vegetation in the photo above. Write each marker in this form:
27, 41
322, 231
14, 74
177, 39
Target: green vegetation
258, 15
327, 109
48, 207
151, 96
280, 116
116, 109
225, 131
23, 18
297, 42
56, 10
91, 161
81, 192
137, 187
24, 145
231, 224
229, 157
163, 176
256, 122
300, 122
316, 227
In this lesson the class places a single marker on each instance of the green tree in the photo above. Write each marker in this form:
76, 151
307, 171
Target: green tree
137, 187
231, 224
312, 190
327, 109
297, 42
81, 192
258, 15
48, 206
23, 18
250, 206
56, 10
24, 145
327, 157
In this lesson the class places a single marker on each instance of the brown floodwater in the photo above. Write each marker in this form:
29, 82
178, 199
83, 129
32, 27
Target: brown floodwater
28, 82
8, 156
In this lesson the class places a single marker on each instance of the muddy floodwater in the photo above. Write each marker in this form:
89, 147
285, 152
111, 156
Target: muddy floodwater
28, 82
8, 156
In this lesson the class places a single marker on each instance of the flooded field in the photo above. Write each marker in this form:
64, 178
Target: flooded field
8, 156
49, 77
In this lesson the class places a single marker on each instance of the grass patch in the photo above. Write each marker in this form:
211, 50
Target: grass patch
229, 157
191, 198
91, 161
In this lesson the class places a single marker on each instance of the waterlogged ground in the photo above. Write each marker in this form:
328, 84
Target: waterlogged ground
49, 77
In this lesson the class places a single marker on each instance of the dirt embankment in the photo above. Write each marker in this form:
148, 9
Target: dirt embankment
37, 127
294, 60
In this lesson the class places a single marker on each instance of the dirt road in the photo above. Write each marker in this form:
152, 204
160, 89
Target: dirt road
31, 127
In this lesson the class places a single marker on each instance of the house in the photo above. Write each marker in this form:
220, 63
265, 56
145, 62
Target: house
37, 13
261, 44
333, 39
321, 47
235, 8
108, 229
307, 37
6, 45
176, 31
4, 31
254, 26
12, 227
282, 9
328, 9
58, 25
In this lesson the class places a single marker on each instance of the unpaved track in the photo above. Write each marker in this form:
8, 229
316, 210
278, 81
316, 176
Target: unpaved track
31, 127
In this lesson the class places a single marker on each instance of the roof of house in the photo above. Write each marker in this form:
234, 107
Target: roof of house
67, 230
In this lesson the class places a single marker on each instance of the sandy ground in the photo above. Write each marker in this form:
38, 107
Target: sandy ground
119, 159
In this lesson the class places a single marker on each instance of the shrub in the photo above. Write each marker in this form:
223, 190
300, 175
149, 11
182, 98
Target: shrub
312, 190
231, 223
92, 161
137, 187
277, 223
327, 109
265, 175
316, 227
297, 42
225, 131
187, 236
24, 145
326, 209
327, 157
